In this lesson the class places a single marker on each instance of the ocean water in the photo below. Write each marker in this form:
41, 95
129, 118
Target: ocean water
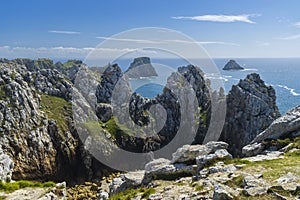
282, 74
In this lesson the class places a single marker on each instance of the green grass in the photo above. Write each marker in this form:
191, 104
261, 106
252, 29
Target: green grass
58, 109
13, 75
131, 193
2, 93
147, 193
236, 182
273, 169
199, 188
70, 63
237, 161
126, 195
13, 186
93, 127
115, 129
41, 62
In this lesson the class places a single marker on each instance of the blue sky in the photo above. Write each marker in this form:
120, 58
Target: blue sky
227, 28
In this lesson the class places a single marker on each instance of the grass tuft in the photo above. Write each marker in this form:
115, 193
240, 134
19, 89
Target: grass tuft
13, 186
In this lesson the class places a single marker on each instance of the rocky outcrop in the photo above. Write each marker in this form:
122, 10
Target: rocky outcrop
286, 126
187, 86
215, 180
232, 65
141, 67
37, 129
6, 167
251, 108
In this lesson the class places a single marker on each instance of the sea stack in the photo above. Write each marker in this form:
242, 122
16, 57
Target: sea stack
141, 67
232, 65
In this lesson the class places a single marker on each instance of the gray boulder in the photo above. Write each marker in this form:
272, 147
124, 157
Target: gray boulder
223, 192
189, 153
252, 149
282, 127
253, 186
163, 169
134, 178
219, 155
104, 111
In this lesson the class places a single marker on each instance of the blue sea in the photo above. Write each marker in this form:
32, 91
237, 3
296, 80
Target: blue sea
282, 74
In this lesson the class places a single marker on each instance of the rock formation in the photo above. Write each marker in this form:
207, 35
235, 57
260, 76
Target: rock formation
286, 126
141, 67
251, 108
37, 131
232, 65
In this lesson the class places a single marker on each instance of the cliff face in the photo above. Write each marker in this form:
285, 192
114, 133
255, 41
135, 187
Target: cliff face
251, 108
37, 130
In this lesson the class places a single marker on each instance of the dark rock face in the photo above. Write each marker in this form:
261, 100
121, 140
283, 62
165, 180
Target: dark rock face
232, 65
141, 67
251, 108
286, 126
110, 77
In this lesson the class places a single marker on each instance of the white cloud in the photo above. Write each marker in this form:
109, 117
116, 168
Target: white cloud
129, 40
64, 32
292, 37
220, 18
297, 24
262, 44
169, 41
204, 42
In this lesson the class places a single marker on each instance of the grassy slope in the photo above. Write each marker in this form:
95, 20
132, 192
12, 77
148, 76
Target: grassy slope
58, 109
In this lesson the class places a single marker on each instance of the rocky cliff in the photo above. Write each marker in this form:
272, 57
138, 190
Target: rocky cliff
37, 130
251, 108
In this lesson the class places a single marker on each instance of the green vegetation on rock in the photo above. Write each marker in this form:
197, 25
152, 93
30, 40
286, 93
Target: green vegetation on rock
111, 126
58, 109
12, 186
131, 193
147, 193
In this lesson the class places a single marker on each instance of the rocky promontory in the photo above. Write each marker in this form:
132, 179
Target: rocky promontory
39, 140
141, 67
232, 65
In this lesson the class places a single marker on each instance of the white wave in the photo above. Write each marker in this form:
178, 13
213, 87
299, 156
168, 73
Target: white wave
291, 90
249, 69
217, 78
